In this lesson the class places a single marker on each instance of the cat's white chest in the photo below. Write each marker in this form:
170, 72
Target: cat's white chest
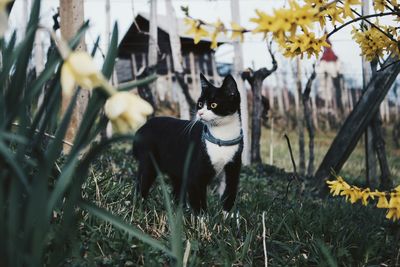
220, 155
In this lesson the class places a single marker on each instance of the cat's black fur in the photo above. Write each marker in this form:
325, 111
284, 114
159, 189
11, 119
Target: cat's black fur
167, 141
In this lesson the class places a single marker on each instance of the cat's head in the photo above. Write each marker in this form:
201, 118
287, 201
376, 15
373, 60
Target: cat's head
217, 103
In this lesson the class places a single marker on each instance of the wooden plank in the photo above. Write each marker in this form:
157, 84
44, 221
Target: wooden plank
358, 120
71, 19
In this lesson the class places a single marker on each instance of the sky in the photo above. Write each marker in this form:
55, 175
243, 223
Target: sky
254, 48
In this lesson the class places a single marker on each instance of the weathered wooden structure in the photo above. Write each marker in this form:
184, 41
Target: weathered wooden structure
197, 58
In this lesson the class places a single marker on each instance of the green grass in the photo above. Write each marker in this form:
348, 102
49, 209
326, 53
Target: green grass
301, 230
353, 169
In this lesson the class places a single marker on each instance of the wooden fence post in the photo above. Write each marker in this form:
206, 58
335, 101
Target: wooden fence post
357, 121
71, 19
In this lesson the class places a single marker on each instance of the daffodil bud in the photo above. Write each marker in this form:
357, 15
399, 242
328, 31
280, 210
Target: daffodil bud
80, 69
3, 17
127, 112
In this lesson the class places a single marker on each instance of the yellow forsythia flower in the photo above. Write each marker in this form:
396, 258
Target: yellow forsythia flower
195, 29
237, 32
347, 9
354, 193
382, 201
219, 27
265, 23
337, 186
394, 207
80, 69
3, 16
365, 194
379, 5
127, 112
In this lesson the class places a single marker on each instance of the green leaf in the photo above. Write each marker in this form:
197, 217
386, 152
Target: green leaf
131, 85
61, 185
329, 259
112, 52
9, 157
130, 229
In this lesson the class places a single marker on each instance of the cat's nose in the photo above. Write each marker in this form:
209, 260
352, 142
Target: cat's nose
200, 113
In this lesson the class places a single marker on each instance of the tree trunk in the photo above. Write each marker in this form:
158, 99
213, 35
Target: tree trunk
300, 122
357, 122
396, 134
256, 79
309, 123
256, 120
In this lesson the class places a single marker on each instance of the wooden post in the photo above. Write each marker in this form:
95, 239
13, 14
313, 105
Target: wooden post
134, 66
300, 120
357, 122
370, 159
71, 19
237, 70
314, 111
193, 71
39, 61
279, 87
184, 98
153, 43
214, 68
25, 16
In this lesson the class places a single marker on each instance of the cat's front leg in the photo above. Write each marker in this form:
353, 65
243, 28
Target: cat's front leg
232, 172
198, 197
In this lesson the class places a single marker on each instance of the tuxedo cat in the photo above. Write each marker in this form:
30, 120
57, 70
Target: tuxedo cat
214, 137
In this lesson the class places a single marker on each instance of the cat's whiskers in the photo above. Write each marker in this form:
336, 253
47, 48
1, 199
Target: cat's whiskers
188, 128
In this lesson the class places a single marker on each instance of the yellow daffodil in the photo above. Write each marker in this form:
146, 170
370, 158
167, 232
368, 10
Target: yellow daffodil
3, 17
196, 30
237, 32
80, 69
127, 112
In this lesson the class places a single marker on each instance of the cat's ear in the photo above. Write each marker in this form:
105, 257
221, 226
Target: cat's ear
229, 86
204, 82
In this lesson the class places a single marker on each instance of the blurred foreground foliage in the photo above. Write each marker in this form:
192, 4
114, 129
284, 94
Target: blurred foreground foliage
40, 187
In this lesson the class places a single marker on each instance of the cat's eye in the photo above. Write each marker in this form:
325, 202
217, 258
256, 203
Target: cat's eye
214, 105
200, 104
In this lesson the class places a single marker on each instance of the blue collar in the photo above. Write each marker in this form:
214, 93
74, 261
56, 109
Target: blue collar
209, 137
